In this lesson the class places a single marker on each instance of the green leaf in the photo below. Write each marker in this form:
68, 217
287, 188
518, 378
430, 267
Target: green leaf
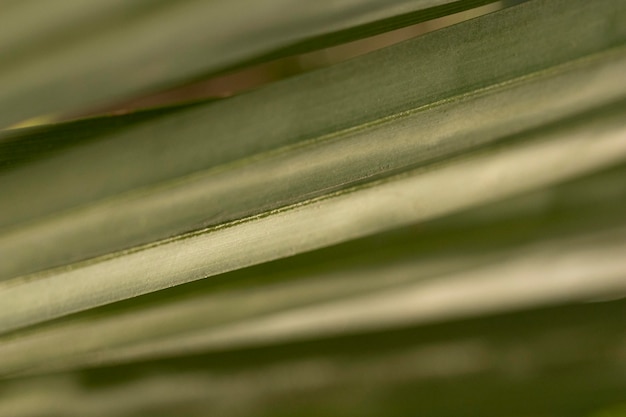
202, 167
457, 266
563, 360
63, 57
374, 207
434, 228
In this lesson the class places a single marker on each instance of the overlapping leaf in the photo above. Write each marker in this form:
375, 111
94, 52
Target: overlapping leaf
353, 240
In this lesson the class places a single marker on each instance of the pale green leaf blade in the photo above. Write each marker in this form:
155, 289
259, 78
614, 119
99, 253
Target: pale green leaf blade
416, 195
535, 248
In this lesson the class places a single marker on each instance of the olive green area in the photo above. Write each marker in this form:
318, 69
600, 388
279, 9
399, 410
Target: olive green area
438, 66
202, 167
25, 145
83, 55
533, 336
542, 158
366, 30
594, 202
562, 360
278, 180
552, 220
436, 228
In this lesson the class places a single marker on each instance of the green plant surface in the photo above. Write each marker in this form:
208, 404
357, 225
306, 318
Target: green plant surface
457, 266
202, 167
434, 228
84, 54
563, 360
